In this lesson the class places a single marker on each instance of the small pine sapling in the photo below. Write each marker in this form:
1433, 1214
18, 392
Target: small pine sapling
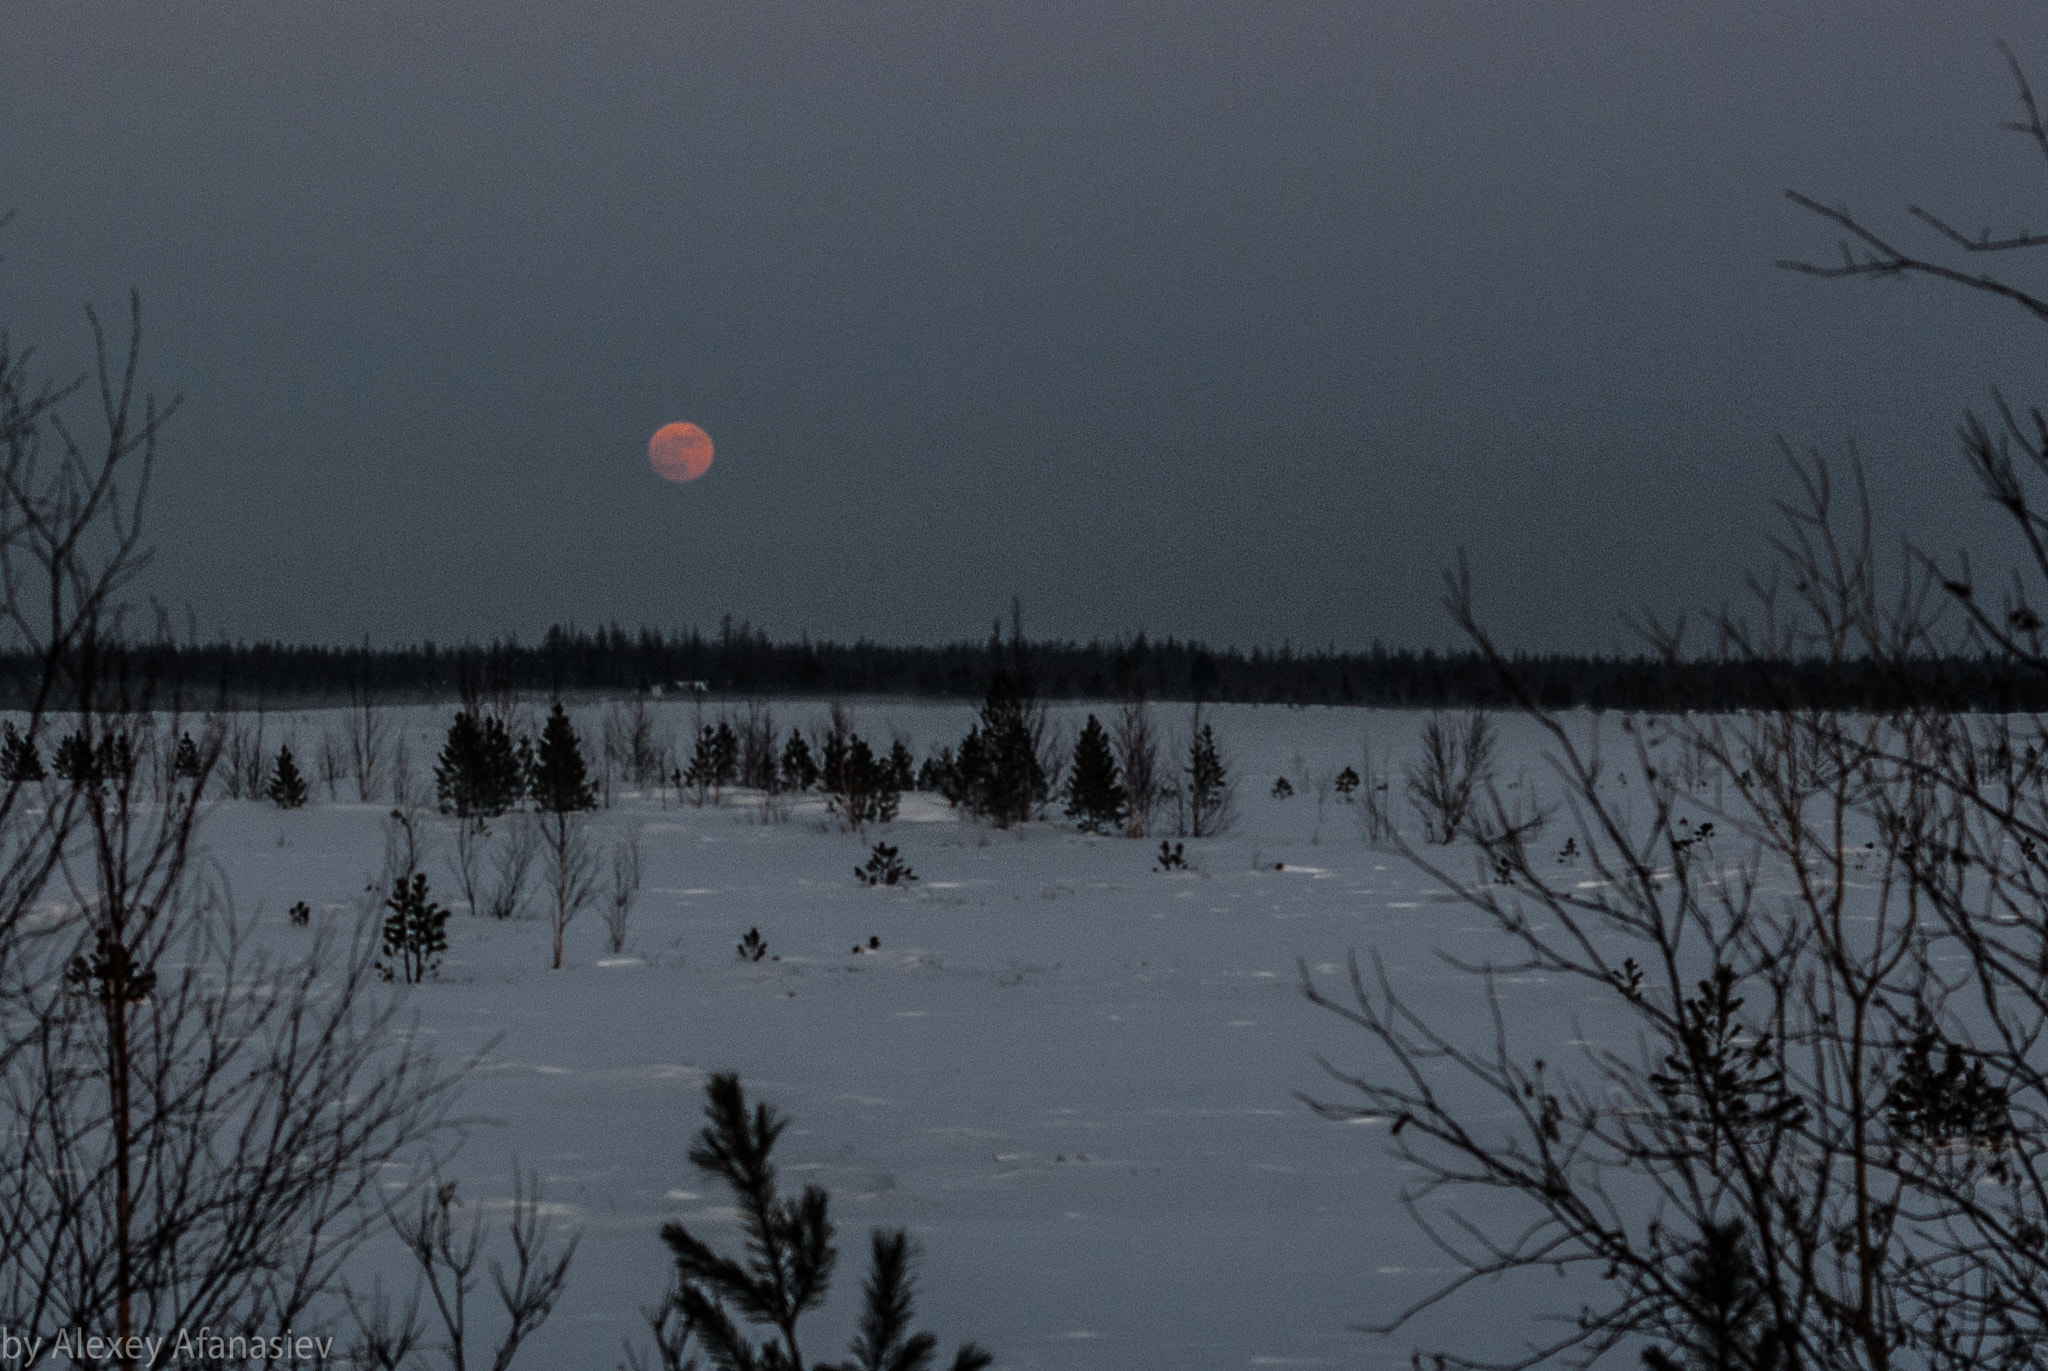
1281, 789
1726, 1319
885, 867
287, 788
1172, 856
19, 761
186, 763
415, 932
446, 1253
300, 914
1953, 1105
753, 947
702, 774
786, 1270
1347, 784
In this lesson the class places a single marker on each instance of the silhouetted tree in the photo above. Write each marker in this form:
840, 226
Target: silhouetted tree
1095, 791
287, 788
786, 1270
479, 774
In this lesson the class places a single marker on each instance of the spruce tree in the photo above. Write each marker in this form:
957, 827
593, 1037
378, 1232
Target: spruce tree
902, 767
1208, 793
19, 761
561, 781
287, 788
997, 772
866, 791
725, 756
831, 756
478, 774
799, 769
1095, 792
75, 761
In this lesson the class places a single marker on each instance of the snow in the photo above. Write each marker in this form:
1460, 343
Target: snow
1072, 1076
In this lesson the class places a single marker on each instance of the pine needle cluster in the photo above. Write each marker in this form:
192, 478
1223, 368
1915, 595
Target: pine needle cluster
786, 1271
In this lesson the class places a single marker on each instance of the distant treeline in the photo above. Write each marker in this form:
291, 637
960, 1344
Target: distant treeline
741, 662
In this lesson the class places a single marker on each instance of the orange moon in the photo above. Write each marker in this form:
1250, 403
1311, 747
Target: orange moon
679, 452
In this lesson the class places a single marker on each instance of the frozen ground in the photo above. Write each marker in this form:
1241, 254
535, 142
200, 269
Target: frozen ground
1071, 1075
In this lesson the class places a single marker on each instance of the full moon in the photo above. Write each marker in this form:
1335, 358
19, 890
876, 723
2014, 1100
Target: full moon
679, 452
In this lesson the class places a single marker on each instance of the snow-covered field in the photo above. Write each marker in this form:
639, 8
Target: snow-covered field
1071, 1075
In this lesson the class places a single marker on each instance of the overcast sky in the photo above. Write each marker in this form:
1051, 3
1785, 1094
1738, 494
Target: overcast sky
1224, 319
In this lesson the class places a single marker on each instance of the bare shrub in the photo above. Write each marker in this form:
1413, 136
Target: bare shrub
367, 738
759, 758
401, 773
512, 865
568, 867
1452, 773
1376, 805
1321, 782
193, 1130
243, 758
406, 842
624, 889
328, 763
445, 1251
466, 861
1137, 756
632, 743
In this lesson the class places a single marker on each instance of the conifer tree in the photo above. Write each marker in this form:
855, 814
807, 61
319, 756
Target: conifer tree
186, 764
725, 756
415, 931
561, 780
1208, 788
1095, 791
1347, 781
478, 774
75, 761
287, 788
786, 1270
832, 754
902, 767
1014, 781
868, 789
997, 772
1725, 1324
702, 774
19, 761
799, 768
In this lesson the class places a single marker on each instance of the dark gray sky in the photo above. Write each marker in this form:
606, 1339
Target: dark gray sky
1223, 319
